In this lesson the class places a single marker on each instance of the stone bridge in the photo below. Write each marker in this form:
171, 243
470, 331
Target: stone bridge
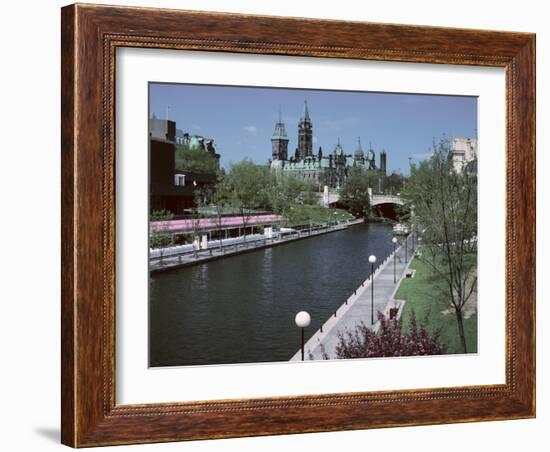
332, 197
376, 200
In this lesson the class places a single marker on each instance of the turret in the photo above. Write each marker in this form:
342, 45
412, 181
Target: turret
371, 159
279, 141
359, 155
383, 161
305, 132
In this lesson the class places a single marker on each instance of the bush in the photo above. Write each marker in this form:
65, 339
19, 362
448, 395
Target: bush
389, 341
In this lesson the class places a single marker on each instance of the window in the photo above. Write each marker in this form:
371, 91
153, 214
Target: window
179, 180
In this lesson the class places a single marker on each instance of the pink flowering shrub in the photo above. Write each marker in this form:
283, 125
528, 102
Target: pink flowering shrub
389, 341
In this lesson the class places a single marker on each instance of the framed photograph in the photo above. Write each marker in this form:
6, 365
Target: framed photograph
281, 225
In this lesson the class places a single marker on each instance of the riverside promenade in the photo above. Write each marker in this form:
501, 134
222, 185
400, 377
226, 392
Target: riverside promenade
357, 308
236, 246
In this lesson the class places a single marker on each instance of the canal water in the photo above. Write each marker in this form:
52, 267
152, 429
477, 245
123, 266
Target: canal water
241, 309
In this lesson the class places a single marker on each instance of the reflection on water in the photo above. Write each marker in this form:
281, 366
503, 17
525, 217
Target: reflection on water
241, 309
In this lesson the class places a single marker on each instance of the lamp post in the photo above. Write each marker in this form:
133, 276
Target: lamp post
406, 239
372, 260
303, 319
394, 241
413, 230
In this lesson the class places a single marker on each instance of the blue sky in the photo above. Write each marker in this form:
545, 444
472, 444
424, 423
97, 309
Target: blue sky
241, 119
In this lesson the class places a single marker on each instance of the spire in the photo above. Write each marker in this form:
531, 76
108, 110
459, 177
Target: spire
383, 161
338, 149
280, 132
305, 112
371, 158
359, 154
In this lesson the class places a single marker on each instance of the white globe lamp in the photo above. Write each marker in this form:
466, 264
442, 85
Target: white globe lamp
302, 319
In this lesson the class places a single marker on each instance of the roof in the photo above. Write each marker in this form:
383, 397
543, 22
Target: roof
305, 112
279, 133
359, 151
338, 150
370, 154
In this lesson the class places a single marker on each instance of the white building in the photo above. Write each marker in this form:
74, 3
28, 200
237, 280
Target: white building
464, 152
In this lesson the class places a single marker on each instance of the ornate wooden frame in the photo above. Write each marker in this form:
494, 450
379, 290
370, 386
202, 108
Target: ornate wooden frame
90, 36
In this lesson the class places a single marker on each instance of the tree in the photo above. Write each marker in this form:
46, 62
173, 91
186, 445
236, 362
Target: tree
245, 188
354, 195
160, 236
443, 205
195, 159
214, 200
196, 219
309, 194
287, 192
284, 192
393, 183
389, 341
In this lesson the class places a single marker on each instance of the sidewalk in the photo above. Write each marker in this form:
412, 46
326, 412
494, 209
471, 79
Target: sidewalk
357, 309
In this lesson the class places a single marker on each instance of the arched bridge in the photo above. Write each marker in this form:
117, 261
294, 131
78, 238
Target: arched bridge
376, 200
332, 197
385, 206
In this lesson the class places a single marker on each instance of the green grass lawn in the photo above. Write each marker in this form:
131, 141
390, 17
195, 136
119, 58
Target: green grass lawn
426, 294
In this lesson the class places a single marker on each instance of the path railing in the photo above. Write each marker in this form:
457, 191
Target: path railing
173, 258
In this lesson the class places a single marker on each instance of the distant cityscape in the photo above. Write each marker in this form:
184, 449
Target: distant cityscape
174, 189
330, 169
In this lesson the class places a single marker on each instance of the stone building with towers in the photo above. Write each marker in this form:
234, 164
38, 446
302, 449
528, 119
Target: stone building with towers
331, 168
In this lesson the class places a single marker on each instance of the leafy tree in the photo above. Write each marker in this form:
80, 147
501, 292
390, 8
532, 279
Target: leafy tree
215, 201
393, 183
444, 203
288, 192
245, 188
195, 159
160, 236
201, 200
309, 194
354, 195
389, 341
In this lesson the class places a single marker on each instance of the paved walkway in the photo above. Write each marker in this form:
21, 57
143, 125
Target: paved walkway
357, 308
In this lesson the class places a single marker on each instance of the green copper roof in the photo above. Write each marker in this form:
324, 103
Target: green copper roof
338, 150
280, 133
325, 162
370, 154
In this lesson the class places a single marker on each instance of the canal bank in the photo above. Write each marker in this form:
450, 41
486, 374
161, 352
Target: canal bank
242, 309
255, 242
362, 306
